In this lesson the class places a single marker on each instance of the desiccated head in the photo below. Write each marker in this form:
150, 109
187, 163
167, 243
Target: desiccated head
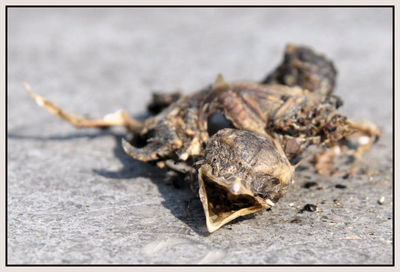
242, 173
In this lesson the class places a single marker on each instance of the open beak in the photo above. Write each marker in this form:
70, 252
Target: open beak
223, 201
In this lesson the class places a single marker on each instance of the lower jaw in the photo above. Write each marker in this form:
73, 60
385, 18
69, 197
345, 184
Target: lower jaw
216, 216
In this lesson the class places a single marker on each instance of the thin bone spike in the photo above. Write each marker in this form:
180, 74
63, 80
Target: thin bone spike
302, 160
119, 118
276, 144
220, 84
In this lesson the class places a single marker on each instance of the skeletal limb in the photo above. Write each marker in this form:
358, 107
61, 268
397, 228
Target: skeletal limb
371, 131
119, 118
323, 160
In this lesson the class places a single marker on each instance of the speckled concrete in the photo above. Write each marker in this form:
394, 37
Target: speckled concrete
74, 197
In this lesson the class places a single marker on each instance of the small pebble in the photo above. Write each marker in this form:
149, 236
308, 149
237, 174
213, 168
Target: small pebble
346, 176
310, 184
340, 186
309, 208
381, 200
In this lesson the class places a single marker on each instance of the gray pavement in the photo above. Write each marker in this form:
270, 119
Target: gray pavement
74, 196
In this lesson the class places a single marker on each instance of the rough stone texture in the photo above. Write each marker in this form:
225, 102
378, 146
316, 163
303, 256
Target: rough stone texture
74, 197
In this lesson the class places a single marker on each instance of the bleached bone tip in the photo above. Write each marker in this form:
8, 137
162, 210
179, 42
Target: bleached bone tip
27, 86
269, 202
363, 140
220, 84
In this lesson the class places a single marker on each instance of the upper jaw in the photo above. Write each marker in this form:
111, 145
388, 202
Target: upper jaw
223, 203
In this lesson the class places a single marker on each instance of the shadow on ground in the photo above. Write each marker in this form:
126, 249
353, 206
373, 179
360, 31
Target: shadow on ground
168, 186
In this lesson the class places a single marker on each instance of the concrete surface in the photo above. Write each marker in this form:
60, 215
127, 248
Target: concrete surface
74, 197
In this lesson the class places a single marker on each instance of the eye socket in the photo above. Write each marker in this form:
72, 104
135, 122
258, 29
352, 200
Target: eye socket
274, 181
216, 122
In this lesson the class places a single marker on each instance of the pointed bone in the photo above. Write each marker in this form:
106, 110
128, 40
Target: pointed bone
220, 84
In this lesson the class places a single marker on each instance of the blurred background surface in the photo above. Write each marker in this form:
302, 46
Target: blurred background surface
74, 197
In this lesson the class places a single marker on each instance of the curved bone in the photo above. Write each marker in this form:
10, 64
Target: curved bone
215, 221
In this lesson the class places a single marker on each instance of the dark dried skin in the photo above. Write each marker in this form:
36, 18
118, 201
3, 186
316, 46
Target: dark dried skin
296, 117
305, 68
